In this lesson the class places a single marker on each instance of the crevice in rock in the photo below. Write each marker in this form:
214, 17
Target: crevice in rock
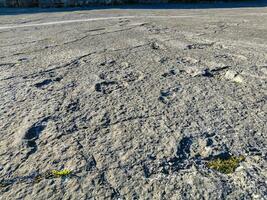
32, 134
199, 45
73, 106
46, 82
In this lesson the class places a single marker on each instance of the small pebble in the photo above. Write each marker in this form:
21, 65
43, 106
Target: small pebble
234, 76
155, 45
125, 64
264, 70
238, 79
230, 75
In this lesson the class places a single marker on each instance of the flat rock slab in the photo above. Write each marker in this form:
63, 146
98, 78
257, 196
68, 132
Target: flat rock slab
135, 102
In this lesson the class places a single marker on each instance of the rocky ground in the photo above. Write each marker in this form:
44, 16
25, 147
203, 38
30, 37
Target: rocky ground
136, 107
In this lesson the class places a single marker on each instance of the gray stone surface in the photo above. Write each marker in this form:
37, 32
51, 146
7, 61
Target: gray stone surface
134, 106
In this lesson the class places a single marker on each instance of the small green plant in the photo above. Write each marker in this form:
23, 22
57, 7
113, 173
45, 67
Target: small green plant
60, 173
50, 174
226, 166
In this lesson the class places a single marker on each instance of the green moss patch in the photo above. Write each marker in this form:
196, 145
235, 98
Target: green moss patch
60, 173
226, 166
51, 174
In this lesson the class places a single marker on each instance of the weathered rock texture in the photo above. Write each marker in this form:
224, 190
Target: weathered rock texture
136, 107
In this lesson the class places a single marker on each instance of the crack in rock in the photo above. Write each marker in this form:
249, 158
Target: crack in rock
180, 160
73, 106
172, 72
200, 45
46, 82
